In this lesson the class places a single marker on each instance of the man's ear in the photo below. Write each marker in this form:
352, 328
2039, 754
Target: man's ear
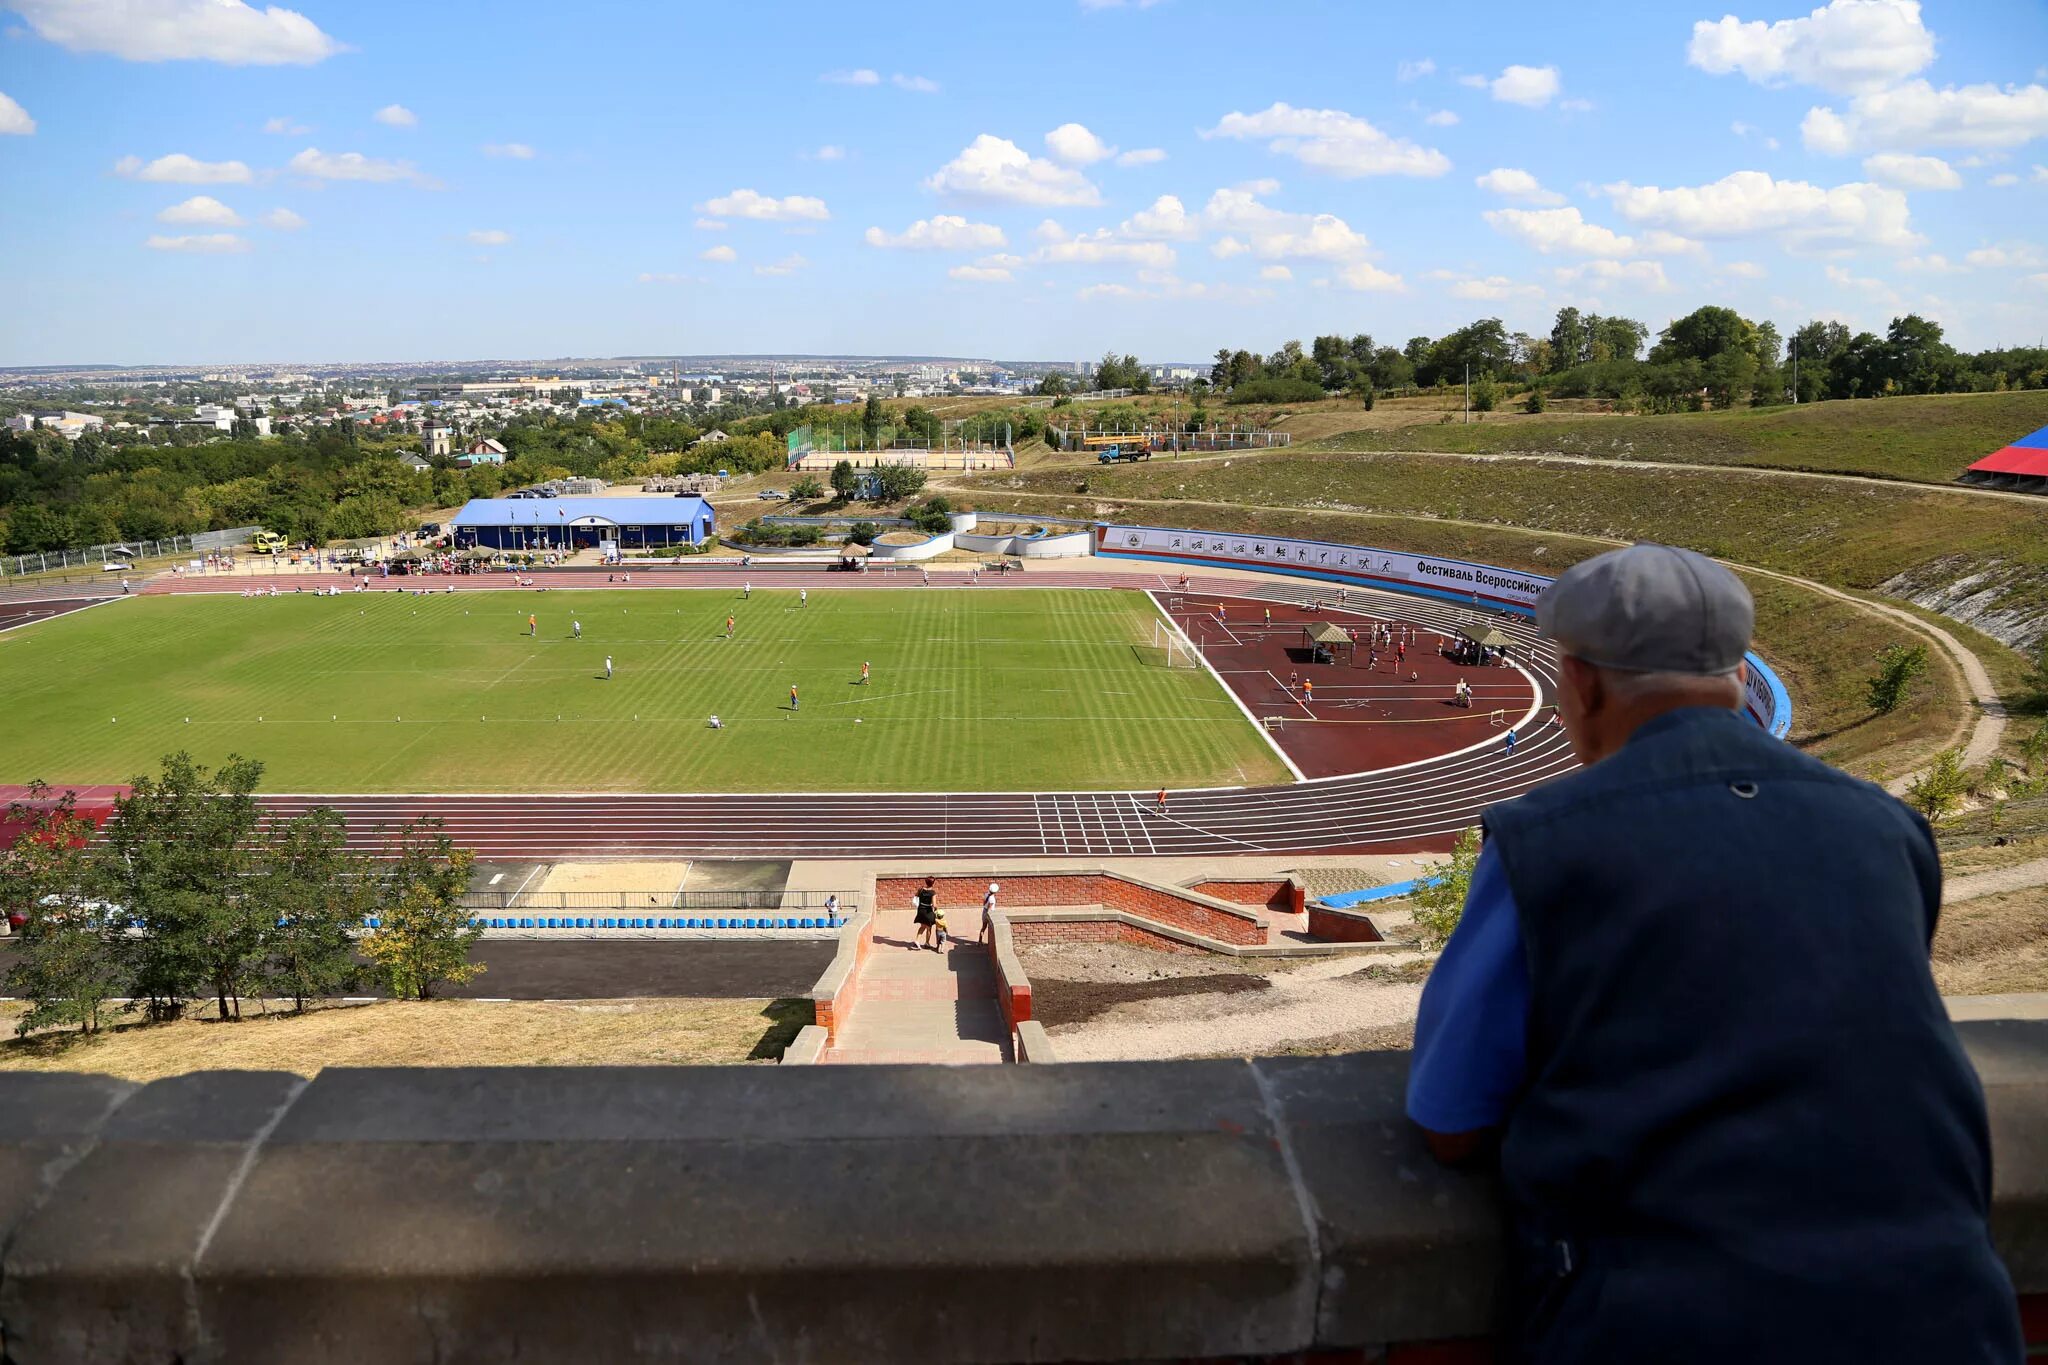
1584, 680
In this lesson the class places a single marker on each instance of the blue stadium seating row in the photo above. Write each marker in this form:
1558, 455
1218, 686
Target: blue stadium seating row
643, 922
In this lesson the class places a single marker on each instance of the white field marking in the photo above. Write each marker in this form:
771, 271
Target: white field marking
1038, 813
1246, 711
531, 873
495, 880
55, 616
491, 999
885, 696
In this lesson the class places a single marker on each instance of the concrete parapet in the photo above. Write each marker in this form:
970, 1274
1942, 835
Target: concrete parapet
1195, 1210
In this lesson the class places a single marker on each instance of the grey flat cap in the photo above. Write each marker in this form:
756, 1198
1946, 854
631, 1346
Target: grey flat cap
1650, 609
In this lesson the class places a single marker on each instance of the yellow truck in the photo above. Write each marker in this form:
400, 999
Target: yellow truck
267, 543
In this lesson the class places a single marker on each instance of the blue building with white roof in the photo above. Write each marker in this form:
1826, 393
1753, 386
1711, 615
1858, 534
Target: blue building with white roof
581, 523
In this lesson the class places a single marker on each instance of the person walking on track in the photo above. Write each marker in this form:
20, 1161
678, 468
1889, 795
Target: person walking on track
792, 698
1308, 691
746, 592
1510, 743
607, 667
1162, 800
728, 627
532, 624
1269, 617
575, 629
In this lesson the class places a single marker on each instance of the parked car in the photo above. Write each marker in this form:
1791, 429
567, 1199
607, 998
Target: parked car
772, 495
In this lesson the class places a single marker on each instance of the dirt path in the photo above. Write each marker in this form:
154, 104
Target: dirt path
2018, 877
1316, 1000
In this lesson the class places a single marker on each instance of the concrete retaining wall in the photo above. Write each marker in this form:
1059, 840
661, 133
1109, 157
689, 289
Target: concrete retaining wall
1205, 1210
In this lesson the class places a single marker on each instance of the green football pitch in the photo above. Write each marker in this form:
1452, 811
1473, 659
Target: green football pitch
977, 689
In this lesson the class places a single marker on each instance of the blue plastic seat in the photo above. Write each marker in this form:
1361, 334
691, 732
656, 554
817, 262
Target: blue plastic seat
664, 923
725, 924
553, 923
526, 923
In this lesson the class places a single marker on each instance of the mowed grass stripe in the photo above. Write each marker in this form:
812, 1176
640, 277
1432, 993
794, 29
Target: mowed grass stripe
1009, 690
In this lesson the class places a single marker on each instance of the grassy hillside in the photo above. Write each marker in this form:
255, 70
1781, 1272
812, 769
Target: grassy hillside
1930, 439
1852, 537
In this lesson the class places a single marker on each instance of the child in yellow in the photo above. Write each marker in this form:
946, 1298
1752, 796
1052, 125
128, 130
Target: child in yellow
939, 925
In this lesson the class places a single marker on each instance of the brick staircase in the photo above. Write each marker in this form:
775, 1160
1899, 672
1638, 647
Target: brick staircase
914, 1005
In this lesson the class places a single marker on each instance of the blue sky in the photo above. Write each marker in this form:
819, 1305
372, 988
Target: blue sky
203, 181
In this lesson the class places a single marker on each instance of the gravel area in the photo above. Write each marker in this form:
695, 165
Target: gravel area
1318, 1004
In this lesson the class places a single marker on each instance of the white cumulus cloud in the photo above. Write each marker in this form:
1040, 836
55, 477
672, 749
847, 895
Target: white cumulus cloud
1415, 70
201, 210
1370, 279
1441, 118
858, 76
1275, 272
285, 127
282, 220
509, 151
788, 265
1332, 141
179, 169
996, 168
918, 85
767, 208
1565, 231
1510, 183
2015, 256
1916, 114
1902, 170
1532, 87
1142, 156
1748, 203
1166, 219
227, 31
1490, 287
1848, 46
353, 166
829, 152
980, 274
489, 237
1076, 146
723, 254
203, 244
1100, 247
14, 119
945, 232
396, 116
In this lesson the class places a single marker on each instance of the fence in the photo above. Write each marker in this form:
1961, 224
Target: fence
98, 555
1087, 396
599, 902
1170, 437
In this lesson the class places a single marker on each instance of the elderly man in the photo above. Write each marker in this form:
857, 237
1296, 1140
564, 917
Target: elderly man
1690, 998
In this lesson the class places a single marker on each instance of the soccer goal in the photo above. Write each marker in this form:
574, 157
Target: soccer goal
1172, 648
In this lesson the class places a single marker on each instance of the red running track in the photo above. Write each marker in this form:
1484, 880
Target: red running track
1418, 805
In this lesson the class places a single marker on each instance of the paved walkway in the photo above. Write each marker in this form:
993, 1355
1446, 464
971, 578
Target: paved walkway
1998, 880
915, 1005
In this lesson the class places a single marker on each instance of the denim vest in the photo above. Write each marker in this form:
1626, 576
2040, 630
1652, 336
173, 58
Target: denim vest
1748, 1131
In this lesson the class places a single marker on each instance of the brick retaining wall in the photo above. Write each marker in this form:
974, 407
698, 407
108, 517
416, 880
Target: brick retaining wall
1342, 926
1189, 910
1281, 895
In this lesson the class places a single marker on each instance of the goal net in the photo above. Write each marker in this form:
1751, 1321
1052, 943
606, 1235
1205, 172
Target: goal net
1171, 648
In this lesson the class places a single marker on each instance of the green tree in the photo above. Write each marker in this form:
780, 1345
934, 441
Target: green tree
317, 894
1939, 790
68, 960
1569, 344
1440, 896
1484, 394
806, 489
424, 934
1897, 667
871, 419
843, 480
1534, 401
899, 481
1703, 334
175, 856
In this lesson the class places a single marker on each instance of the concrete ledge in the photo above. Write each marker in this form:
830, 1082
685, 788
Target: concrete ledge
1120, 1211
1032, 1043
807, 1047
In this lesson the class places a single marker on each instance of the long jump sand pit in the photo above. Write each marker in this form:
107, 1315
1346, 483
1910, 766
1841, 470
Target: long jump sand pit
663, 878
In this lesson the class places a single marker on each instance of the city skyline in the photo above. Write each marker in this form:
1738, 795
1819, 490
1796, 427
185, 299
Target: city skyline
202, 182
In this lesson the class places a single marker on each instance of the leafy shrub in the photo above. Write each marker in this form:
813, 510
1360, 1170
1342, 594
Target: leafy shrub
1276, 391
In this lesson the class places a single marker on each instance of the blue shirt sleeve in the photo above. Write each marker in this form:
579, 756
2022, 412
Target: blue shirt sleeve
1471, 1032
